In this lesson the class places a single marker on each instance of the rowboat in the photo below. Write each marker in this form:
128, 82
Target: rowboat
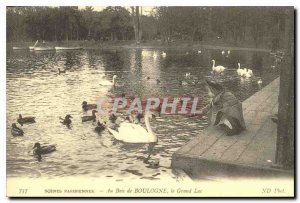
20, 48
68, 48
43, 48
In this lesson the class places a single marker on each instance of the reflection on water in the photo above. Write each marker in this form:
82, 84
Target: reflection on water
34, 88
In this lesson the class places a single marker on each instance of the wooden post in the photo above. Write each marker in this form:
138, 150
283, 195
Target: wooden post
285, 128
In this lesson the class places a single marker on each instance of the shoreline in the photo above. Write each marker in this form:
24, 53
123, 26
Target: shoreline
96, 45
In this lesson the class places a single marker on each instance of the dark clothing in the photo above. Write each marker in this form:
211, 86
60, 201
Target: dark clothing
226, 110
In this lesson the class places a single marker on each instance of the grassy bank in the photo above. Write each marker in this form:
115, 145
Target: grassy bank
144, 45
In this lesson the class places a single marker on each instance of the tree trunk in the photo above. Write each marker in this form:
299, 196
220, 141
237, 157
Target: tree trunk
285, 128
136, 23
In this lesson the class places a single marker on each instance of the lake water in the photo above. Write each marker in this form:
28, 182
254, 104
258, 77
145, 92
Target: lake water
34, 88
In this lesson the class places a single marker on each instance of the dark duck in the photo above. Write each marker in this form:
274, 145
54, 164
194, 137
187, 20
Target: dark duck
139, 116
113, 118
39, 150
25, 120
86, 106
100, 127
15, 131
61, 71
67, 121
90, 118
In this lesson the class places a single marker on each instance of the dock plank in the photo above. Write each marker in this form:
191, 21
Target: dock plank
262, 148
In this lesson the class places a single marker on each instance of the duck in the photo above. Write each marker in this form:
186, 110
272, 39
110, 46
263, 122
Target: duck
61, 71
86, 106
157, 81
158, 109
129, 119
113, 118
100, 127
110, 83
147, 78
25, 120
134, 133
90, 118
39, 150
138, 117
164, 54
218, 69
15, 131
67, 121
154, 164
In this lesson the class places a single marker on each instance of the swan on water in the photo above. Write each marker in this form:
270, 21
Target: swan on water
217, 69
239, 70
259, 82
199, 51
110, 83
223, 52
183, 83
247, 73
134, 133
164, 54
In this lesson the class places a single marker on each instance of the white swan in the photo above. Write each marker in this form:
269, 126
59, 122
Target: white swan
199, 51
164, 54
110, 83
239, 70
247, 73
259, 82
187, 75
133, 133
223, 52
228, 52
183, 83
217, 69
250, 72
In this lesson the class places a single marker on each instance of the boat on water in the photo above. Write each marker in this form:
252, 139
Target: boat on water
43, 48
20, 48
68, 48
32, 47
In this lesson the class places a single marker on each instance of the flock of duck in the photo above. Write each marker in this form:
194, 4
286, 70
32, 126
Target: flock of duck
128, 131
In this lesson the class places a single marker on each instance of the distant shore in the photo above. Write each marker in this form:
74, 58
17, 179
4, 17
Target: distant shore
98, 45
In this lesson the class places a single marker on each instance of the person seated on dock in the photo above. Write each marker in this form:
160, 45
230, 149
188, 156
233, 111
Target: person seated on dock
224, 109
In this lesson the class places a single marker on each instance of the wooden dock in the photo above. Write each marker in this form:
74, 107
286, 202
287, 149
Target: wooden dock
252, 153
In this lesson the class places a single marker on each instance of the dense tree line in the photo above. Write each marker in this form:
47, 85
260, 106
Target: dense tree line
258, 25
